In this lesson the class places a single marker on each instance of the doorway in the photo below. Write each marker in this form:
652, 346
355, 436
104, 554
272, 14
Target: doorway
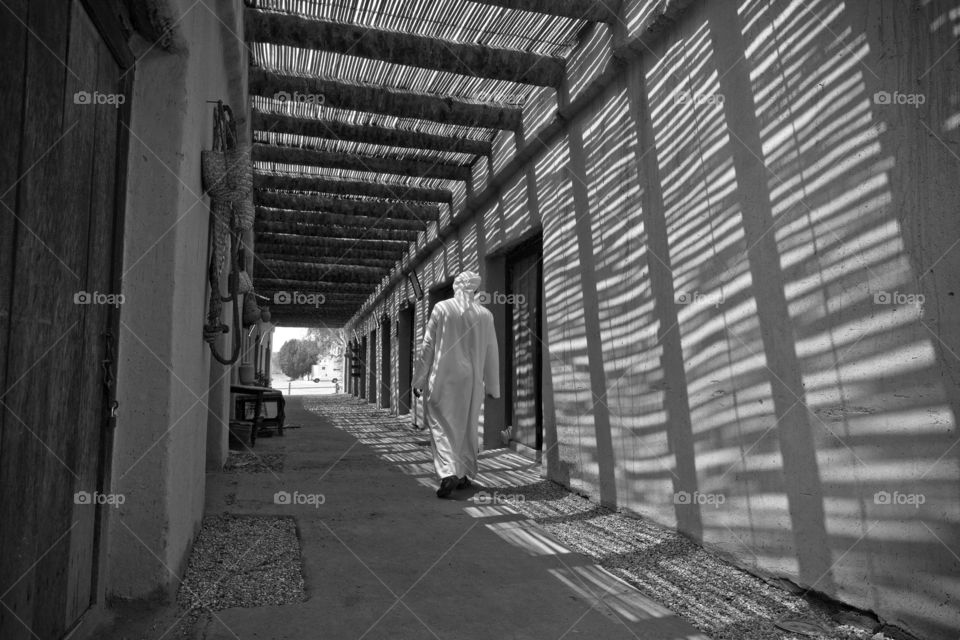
405, 356
438, 293
61, 232
524, 348
385, 363
362, 366
372, 367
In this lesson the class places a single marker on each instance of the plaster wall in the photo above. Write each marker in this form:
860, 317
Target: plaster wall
164, 372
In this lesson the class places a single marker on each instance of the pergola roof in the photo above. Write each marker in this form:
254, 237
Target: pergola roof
397, 101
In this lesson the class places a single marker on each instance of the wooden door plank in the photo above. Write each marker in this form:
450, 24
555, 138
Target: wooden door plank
43, 333
13, 48
90, 405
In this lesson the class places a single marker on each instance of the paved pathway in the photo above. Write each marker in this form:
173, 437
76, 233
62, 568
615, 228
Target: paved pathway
384, 558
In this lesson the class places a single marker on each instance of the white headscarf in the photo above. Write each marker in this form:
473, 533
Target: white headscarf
465, 286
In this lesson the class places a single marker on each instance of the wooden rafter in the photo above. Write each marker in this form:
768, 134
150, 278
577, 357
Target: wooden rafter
357, 162
385, 101
352, 253
345, 248
347, 207
331, 219
355, 273
349, 188
589, 10
331, 282
404, 48
282, 254
335, 231
335, 130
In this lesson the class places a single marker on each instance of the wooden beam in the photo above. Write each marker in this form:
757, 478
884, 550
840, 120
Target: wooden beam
347, 207
335, 272
332, 283
288, 182
357, 162
284, 253
334, 231
386, 101
589, 10
330, 300
334, 130
344, 248
404, 48
317, 218
322, 319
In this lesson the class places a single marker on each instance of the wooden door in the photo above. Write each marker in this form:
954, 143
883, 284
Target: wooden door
405, 357
385, 365
64, 99
524, 278
372, 367
363, 367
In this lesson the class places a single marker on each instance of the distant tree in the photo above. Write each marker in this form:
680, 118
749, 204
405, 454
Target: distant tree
330, 342
297, 357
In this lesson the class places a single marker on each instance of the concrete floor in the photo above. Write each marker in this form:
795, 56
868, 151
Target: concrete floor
385, 558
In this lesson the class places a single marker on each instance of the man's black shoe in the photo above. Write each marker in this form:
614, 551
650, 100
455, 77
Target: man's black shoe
446, 486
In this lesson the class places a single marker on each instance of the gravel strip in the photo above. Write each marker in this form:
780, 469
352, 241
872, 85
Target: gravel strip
718, 598
241, 561
245, 462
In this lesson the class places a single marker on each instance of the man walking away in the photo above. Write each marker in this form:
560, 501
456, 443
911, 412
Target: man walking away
458, 358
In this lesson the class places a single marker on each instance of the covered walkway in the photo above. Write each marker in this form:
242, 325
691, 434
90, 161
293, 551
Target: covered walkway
514, 556
383, 558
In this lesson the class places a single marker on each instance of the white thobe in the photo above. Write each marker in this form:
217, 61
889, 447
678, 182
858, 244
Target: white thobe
458, 359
